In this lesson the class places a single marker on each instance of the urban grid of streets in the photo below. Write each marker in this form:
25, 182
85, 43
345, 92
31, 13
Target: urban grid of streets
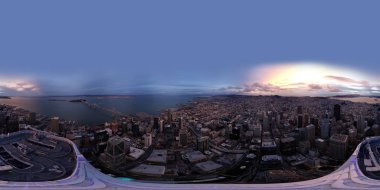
231, 139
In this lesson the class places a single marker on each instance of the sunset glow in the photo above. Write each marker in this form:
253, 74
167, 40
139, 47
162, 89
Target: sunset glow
308, 77
17, 85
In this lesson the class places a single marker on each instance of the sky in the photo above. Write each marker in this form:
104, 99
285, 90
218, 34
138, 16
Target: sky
189, 47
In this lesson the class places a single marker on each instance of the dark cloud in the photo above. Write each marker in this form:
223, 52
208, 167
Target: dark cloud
315, 87
333, 89
347, 80
260, 87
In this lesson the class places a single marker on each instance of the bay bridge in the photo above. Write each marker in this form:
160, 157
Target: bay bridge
110, 111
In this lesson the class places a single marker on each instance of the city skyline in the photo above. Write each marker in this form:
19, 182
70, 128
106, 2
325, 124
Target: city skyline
54, 48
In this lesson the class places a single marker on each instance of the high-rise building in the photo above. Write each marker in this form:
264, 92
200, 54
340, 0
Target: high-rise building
183, 137
299, 110
202, 143
265, 121
114, 155
180, 122
325, 126
338, 146
168, 134
310, 133
32, 117
54, 124
378, 116
148, 140
361, 124
337, 113
170, 116
156, 124
299, 121
161, 126
136, 130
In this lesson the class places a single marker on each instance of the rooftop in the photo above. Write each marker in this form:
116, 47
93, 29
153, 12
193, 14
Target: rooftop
208, 166
145, 169
28, 157
158, 156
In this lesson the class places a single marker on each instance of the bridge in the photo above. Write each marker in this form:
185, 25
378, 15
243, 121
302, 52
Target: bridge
113, 112
85, 176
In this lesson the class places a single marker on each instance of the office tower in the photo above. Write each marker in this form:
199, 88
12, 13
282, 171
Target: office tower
325, 126
148, 140
168, 134
156, 124
378, 116
180, 122
257, 129
352, 133
337, 113
299, 121
170, 116
338, 146
299, 110
183, 137
306, 119
235, 134
182, 133
310, 133
114, 154
361, 124
32, 117
265, 121
161, 126
202, 143
54, 124
288, 145
136, 130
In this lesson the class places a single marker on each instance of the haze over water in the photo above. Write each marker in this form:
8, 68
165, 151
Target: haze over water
61, 107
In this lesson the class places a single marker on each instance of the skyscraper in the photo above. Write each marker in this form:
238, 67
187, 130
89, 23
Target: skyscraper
299, 121
32, 117
156, 124
338, 146
148, 140
54, 124
299, 110
310, 133
361, 124
202, 143
337, 112
325, 126
183, 137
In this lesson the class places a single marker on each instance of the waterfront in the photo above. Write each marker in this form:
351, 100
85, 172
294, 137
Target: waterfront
61, 107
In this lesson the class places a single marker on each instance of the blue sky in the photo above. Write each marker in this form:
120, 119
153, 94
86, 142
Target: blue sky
137, 47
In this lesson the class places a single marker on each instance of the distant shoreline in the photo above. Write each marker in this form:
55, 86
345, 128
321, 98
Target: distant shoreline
5, 97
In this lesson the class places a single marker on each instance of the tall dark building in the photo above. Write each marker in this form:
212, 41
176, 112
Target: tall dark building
299, 110
299, 121
337, 112
135, 130
235, 133
168, 135
156, 123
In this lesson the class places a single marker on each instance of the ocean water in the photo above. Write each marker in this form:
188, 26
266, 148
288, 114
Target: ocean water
84, 114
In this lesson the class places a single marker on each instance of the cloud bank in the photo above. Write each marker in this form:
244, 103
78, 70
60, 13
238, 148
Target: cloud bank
306, 79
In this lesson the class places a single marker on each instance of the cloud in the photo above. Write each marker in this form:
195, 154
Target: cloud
333, 89
17, 86
315, 87
347, 80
